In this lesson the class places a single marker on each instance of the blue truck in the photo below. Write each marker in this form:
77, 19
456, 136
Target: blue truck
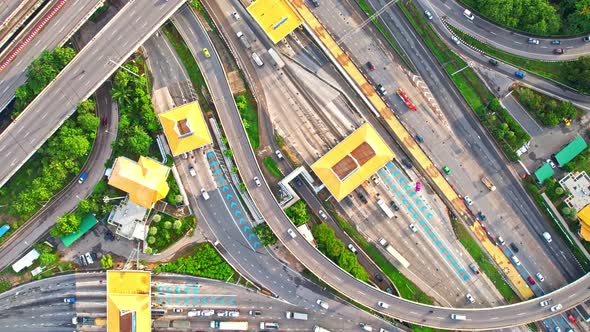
5, 228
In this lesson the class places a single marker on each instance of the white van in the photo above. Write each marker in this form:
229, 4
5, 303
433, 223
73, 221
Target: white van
547, 237
467, 13
257, 60
295, 315
458, 317
205, 194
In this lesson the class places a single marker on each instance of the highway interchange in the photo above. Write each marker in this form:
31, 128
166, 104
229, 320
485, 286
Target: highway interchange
263, 197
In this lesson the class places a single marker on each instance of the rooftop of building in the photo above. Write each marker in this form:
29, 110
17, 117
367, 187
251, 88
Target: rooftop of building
275, 17
128, 301
185, 128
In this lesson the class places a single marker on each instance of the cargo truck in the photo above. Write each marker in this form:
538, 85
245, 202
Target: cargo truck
181, 324
488, 183
244, 40
404, 262
229, 326
275, 59
296, 315
385, 208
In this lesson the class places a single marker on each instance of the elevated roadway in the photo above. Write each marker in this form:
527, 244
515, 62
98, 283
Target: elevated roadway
55, 33
502, 38
477, 319
134, 23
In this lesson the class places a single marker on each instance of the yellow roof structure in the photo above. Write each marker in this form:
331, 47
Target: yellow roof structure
275, 17
584, 216
185, 128
352, 161
128, 301
144, 181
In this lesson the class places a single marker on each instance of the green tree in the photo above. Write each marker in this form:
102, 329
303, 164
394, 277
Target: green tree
176, 224
265, 234
151, 240
153, 230
228, 153
167, 225
139, 141
66, 224
148, 250
88, 122
566, 211
86, 106
559, 191
157, 218
106, 261
47, 258
298, 213
578, 73
347, 260
334, 247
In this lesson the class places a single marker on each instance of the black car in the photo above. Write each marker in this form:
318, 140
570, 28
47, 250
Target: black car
419, 138
378, 277
298, 182
481, 216
362, 198
514, 247
555, 42
254, 313
370, 66
389, 290
315, 3
493, 62
394, 206
406, 163
83, 260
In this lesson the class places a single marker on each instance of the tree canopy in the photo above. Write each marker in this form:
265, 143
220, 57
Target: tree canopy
298, 213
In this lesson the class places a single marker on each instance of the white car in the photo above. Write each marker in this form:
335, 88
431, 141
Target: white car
501, 240
223, 313
279, 154
177, 310
292, 233
323, 215
376, 180
352, 248
323, 304
233, 313
455, 40
467, 13
235, 15
556, 307
257, 181
470, 298
540, 277
192, 171
413, 228
468, 200
533, 41
550, 162
194, 313
428, 14
207, 312
544, 303
515, 260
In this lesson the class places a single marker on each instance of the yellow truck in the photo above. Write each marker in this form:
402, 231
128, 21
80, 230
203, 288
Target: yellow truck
488, 183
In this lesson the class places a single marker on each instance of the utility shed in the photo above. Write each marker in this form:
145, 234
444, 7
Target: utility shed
571, 151
544, 172
87, 223
26, 261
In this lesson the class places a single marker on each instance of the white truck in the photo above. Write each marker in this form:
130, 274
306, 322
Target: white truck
404, 262
275, 59
385, 208
229, 326
320, 329
295, 315
244, 40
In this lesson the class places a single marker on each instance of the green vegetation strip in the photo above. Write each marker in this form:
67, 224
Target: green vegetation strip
369, 11
298, 213
247, 108
265, 234
204, 261
535, 192
553, 70
483, 260
165, 230
188, 61
272, 167
547, 111
506, 131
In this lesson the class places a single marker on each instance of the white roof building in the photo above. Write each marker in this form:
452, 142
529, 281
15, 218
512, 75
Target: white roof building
26, 261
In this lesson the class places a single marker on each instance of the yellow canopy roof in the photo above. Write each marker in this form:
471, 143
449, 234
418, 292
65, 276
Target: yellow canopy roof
352, 161
584, 216
185, 128
275, 17
128, 301
144, 181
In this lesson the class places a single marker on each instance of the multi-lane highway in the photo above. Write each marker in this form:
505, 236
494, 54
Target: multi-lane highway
55, 33
134, 23
502, 38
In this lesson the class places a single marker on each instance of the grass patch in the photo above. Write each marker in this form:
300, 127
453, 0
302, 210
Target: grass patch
204, 261
248, 112
96, 15
272, 167
369, 11
484, 262
165, 230
188, 61
552, 70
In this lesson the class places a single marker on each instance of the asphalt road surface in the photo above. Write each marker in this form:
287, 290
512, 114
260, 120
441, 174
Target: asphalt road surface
55, 33
501, 38
364, 294
132, 25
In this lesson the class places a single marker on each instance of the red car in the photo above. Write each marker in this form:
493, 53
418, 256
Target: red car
572, 319
370, 66
531, 280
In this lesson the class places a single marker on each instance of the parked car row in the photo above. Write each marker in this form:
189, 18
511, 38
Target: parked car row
88, 258
211, 312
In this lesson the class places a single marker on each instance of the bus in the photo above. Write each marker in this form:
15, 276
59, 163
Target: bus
404, 262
